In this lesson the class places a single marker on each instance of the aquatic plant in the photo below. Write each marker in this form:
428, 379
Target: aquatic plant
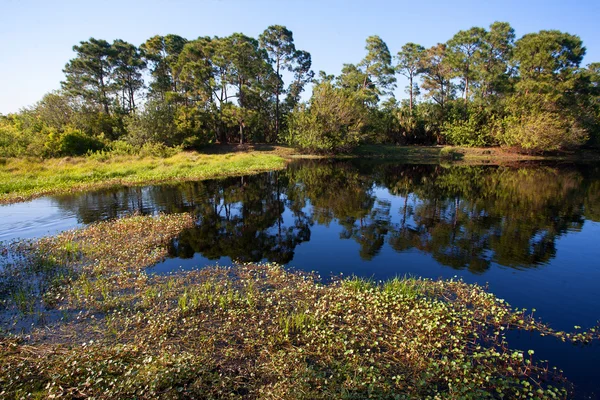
261, 331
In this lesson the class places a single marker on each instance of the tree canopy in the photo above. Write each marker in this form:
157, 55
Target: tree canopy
482, 87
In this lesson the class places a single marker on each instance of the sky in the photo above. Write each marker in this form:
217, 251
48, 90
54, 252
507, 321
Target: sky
37, 36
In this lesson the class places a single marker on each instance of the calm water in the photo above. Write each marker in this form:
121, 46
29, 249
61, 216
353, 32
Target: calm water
531, 232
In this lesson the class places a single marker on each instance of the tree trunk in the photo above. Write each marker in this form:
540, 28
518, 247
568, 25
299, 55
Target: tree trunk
466, 89
411, 94
277, 104
132, 101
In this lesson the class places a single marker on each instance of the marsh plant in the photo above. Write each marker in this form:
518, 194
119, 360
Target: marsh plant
260, 331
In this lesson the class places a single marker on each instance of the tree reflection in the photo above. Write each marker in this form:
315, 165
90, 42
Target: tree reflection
242, 218
465, 217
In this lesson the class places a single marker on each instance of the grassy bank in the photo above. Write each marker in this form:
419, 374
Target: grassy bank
253, 331
26, 178
22, 179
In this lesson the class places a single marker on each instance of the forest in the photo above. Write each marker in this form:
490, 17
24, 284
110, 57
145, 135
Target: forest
482, 87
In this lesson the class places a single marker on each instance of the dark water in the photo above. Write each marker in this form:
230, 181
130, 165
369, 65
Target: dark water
531, 232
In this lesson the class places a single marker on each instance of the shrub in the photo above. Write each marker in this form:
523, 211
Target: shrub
73, 142
158, 150
542, 131
333, 122
122, 148
465, 133
12, 142
469, 127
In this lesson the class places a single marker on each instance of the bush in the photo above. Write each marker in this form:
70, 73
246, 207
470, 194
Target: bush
158, 150
464, 133
73, 142
12, 142
162, 123
467, 126
333, 122
25, 135
123, 148
542, 131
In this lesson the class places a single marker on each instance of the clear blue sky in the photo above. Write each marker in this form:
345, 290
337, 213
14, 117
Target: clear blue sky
37, 36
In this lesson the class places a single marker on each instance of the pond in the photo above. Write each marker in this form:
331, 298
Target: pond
530, 232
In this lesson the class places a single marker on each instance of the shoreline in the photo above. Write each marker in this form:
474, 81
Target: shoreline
26, 179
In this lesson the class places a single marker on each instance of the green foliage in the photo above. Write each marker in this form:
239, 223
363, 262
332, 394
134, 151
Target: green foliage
26, 134
278, 43
542, 131
373, 77
105, 75
158, 150
332, 123
88, 75
463, 133
119, 147
549, 109
464, 54
437, 75
410, 64
161, 54
73, 142
474, 131
155, 124
123, 148
243, 89
546, 54
13, 142
377, 67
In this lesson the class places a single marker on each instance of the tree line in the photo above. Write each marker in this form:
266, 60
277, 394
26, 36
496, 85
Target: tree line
480, 88
483, 87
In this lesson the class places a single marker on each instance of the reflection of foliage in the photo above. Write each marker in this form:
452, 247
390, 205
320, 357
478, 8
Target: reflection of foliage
465, 217
340, 192
470, 216
371, 231
335, 191
243, 220
592, 199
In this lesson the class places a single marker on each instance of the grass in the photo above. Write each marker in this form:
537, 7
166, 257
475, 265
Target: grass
251, 331
23, 179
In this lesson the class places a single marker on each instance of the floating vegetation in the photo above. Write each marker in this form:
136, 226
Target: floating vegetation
251, 331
